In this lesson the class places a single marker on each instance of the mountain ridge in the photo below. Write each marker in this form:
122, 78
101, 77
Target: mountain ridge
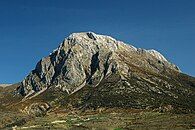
92, 79
5, 85
91, 70
108, 42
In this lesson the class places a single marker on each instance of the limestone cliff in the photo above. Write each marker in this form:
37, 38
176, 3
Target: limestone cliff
116, 73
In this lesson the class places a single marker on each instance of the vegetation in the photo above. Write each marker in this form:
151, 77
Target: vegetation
107, 119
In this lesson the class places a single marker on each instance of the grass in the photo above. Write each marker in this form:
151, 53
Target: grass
118, 129
109, 94
111, 119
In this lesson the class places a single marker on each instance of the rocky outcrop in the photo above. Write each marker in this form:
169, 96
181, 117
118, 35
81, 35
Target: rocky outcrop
37, 109
91, 70
86, 58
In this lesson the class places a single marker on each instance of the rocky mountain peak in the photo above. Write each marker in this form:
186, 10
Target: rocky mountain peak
157, 55
86, 59
108, 42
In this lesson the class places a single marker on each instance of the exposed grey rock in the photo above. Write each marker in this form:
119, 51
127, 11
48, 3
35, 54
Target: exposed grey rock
37, 109
87, 58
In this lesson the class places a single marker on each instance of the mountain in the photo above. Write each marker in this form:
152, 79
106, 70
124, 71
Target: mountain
4, 85
90, 73
99, 71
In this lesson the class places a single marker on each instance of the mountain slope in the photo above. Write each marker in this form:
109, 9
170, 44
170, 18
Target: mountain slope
90, 70
93, 82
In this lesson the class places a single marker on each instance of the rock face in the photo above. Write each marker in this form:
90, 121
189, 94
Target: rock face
85, 57
88, 59
37, 109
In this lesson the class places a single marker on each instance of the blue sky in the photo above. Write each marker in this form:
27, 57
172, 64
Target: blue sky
31, 29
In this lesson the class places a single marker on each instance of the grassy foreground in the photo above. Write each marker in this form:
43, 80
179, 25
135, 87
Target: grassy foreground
101, 119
